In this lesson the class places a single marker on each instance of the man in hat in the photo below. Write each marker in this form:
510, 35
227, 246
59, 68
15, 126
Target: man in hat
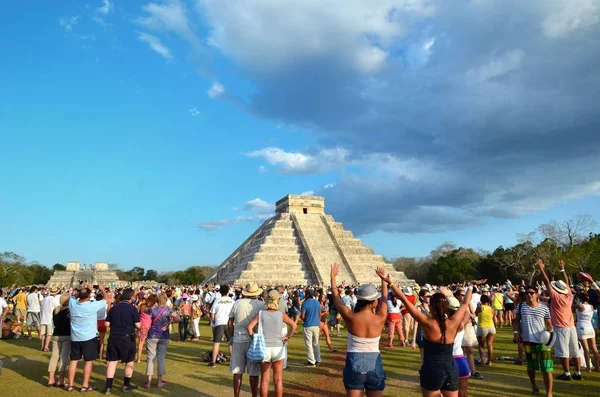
50, 302
243, 311
561, 301
532, 319
408, 322
310, 314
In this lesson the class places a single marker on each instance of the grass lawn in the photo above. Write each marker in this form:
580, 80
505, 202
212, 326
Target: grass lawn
25, 372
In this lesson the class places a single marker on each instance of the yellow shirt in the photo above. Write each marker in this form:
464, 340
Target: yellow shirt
21, 301
498, 302
485, 317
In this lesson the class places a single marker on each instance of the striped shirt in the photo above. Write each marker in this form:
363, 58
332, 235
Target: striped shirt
533, 321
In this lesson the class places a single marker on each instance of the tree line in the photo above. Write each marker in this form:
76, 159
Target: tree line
572, 241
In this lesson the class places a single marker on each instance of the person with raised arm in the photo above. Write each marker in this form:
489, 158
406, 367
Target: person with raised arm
364, 368
561, 313
438, 371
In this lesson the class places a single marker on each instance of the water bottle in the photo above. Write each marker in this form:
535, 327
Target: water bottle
506, 358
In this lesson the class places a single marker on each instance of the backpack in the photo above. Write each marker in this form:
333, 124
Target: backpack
207, 357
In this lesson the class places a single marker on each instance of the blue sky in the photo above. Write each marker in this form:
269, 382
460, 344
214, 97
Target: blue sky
159, 134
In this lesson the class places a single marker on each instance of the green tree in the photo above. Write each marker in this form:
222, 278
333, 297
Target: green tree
59, 266
451, 268
151, 275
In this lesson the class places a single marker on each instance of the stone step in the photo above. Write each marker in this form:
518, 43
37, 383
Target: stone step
342, 234
282, 233
349, 242
276, 249
277, 257
283, 224
271, 240
363, 258
273, 266
357, 250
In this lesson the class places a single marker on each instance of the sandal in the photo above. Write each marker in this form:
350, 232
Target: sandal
86, 389
70, 388
535, 391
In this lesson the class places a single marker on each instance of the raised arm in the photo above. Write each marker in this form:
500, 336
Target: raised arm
414, 312
561, 264
458, 316
545, 278
383, 309
337, 301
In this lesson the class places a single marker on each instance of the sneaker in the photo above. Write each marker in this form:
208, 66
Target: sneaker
107, 391
128, 388
309, 364
212, 365
476, 375
577, 377
318, 363
564, 377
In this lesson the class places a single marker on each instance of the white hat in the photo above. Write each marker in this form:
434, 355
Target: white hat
548, 339
407, 291
560, 287
367, 292
453, 303
217, 287
194, 298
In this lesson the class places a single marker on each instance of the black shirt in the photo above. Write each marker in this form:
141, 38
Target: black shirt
122, 319
62, 323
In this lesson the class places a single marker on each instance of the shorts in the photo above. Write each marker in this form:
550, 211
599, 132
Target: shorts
219, 332
333, 321
12, 335
293, 311
484, 332
273, 354
364, 371
47, 329
439, 375
469, 339
463, 367
87, 349
538, 358
21, 312
121, 348
585, 332
499, 310
101, 325
509, 306
33, 319
240, 363
566, 345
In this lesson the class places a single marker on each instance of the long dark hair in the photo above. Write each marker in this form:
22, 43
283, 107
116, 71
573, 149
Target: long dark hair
438, 307
361, 305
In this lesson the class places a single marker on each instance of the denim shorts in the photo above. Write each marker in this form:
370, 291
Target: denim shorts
364, 371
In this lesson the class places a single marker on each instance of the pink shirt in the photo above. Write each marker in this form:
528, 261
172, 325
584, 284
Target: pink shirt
560, 309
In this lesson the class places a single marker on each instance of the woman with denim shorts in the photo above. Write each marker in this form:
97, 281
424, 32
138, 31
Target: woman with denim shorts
364, 369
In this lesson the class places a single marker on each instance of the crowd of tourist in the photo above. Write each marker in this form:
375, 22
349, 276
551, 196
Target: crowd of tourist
551, 319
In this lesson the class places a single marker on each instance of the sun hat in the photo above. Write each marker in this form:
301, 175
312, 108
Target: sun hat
585, 276
367, 292
548, 339
194, 298
273, 300
64, 298
453, 303
560, 287
184, 296
53, 290
407, 291
217, 287
252, 289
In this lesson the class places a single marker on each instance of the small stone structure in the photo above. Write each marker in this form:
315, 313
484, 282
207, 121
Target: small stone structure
298, 246
75, 273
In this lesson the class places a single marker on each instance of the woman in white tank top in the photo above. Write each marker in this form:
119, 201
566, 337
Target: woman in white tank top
585, 331
364, 368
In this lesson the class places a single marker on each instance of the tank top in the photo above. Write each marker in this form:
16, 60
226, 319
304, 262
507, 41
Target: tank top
485, 317
435, 354
457, 345
498, 302
272, 324
357, 344
584, 318
507, 299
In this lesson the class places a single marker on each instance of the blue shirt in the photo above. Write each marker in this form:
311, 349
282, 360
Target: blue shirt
312, 308
84, 324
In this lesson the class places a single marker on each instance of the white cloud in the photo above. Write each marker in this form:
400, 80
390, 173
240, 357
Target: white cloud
262, 169
302, 163
194, 111
272, 34
68, 23
155, 45
256, 210
308, 193
329, 185
105, 8
216, 90
569, 16
509, 61
171, 16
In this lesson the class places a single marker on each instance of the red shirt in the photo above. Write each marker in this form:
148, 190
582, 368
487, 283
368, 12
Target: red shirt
412, 299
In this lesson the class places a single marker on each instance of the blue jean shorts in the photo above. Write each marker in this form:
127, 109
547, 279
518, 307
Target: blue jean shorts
364, 371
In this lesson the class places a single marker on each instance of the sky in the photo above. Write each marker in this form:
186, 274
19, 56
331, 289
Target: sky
160, 133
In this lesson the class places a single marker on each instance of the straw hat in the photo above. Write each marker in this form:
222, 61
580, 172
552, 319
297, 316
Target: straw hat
252, 289
560, 287
367, 292
407, 291
64, 298
53, 290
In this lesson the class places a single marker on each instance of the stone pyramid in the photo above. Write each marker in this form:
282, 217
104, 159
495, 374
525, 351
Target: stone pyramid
298, 246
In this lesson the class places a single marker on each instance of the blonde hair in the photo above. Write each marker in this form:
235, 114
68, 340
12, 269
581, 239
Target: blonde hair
161, 299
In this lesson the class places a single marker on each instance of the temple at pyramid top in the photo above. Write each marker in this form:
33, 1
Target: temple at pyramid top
297, 247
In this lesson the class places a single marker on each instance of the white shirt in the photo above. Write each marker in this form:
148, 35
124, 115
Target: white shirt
3, 305
221, 308
101, 314
33, 303
48, 305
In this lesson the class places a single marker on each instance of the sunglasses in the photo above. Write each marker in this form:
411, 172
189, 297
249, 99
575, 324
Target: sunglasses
531, 292
462, 295
427, 296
